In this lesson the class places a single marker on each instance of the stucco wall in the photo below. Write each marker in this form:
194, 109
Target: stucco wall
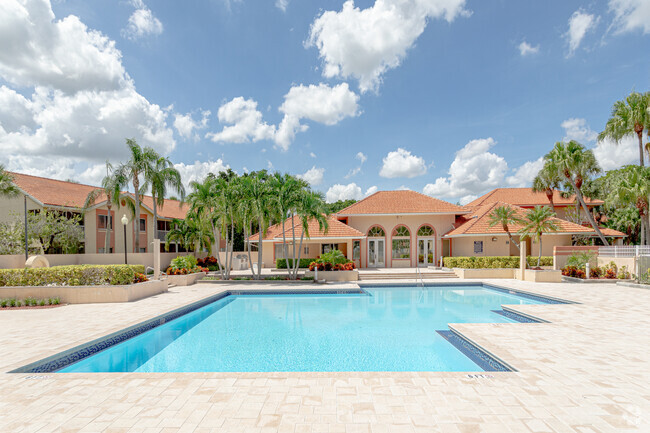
464, 246
440, 223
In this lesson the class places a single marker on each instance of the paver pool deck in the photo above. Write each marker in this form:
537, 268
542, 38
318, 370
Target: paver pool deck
587, 371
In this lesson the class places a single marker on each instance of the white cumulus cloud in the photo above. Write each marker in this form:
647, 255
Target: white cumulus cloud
142, 22
611, 155
401, 163
579, 24
356, 170
199, 170
526, 49
313, 176
343, 192
365, 43
282, 5
578, 130
186, 125
371, 190
525, 174
630, 15
245, 120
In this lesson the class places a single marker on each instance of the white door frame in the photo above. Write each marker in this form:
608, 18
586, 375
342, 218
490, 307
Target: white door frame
426, 250
373, 262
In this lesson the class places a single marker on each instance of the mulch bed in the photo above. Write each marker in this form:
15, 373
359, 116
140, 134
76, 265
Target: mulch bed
36, 307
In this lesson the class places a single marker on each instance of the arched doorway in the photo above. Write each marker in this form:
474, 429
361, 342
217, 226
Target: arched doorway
376, 247
426, 246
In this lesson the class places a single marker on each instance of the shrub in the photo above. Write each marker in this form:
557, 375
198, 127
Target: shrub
73, 275
139, 278
623, 273
282, 263
183, 265
580, 260
208, 262
332, 261
492, 262
595, 272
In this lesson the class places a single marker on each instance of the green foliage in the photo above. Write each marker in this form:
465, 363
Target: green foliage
73, 275
580, 260
49, 233
335, 257
183, 265
492, 262
338, 205
282, 263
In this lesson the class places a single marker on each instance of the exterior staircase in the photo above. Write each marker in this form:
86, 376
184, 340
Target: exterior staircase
404, 274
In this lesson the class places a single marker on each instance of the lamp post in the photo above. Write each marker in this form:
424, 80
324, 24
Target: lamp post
124, 221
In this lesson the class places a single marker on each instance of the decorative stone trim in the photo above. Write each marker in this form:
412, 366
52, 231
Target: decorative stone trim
480, 357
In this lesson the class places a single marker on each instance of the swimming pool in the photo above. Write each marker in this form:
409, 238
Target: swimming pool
381, 329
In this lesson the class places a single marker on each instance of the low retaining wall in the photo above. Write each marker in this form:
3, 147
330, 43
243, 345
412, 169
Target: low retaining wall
185, 280
335, 275
544, 276
485, 273
87, 294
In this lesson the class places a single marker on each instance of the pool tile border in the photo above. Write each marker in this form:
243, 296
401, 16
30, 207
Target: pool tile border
518, 317
477, 355
63, 359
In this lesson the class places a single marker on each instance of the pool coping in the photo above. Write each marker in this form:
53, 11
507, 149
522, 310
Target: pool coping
60, 360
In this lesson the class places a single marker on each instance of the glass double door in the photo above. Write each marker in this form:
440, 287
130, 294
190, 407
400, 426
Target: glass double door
376, 253
426, 251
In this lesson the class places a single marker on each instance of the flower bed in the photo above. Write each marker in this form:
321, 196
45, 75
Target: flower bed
73, 275
332, 261
607, 272
185, 265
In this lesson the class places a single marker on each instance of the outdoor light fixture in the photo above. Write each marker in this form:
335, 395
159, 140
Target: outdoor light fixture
494, 239
125, 221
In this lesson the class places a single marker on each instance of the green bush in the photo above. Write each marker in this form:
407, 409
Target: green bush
73, 275
282, 263
492, 262
580, 260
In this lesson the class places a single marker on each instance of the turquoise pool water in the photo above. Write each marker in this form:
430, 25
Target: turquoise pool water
388, 329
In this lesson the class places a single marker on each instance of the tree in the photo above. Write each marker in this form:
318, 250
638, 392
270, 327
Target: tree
573, 163
630, 116
193, 233
7, 186
632, 187
311, 207
505, 216
286, 191
52, 231
547, 181
158, 176
626, 220
255, 188
338, 206
538, 221
141, 160
110, 189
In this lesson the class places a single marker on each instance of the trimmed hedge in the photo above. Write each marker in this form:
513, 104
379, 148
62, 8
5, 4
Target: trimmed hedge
282, 263
492, 262
73, 275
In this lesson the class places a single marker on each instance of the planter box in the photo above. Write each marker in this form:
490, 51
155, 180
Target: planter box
543, 276
335, 275
485, 273
185, 280
594, 280
87, 294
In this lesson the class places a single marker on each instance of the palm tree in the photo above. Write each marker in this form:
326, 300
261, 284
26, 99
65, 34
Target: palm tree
626, 220
110, 188
538, 221
631, 116
505, 216
7, 186
311, 207
572, 162
255, 189
193, 233
633, 188
158, 176
139, 163
547, 181
286, 196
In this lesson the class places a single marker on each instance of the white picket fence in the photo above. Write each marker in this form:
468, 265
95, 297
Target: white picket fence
624, 251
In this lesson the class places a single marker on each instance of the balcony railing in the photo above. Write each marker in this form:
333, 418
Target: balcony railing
624, 251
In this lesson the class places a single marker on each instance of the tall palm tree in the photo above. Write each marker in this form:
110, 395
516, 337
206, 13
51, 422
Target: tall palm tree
538, 221
286, 197
505, 216
7, 186
140, 162
255, 189
311, 207
158, 176
630, 116
547, 181
575, 164
193, 233
109, 188
633, 188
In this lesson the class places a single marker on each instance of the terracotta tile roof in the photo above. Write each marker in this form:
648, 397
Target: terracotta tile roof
478, 223
336, 229
527, 198
59, 193
401, 202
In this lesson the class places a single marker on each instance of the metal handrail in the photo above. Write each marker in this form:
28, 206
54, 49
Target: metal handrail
417, 272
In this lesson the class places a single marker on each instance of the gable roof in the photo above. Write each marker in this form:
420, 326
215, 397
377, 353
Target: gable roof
401, 202
526, 197
59, 193
478, 223
336, 229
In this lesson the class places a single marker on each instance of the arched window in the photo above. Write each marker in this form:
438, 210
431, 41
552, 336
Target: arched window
401, 243
426, 231
376, 232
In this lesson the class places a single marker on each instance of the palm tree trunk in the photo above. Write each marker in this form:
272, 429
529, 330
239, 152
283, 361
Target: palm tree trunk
248, 248
589, 215
539, 257
218, 256
512, 239
640, 135
155, 216
643, 224
259, 249
136, 194
107, 239
302, 235
284, 246
232, 245
296, 264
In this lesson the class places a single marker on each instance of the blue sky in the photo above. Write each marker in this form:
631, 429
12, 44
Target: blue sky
447, 97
